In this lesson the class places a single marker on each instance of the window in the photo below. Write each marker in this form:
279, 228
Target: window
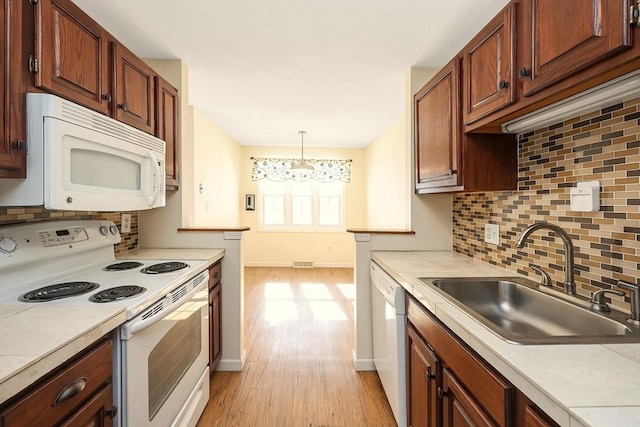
304, 206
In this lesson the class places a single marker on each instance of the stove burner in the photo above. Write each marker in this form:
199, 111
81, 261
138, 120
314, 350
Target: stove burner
58, 291
117, 293
121, 266
164, 267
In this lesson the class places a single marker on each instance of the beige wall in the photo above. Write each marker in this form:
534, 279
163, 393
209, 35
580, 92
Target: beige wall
386, 166
217, 167
268, 248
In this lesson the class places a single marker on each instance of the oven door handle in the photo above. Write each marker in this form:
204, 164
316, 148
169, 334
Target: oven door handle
138, 324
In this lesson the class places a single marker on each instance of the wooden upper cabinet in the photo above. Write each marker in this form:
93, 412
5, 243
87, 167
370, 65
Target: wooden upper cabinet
72, 52
167, 126
488, 68
437, 129
134, 88
565, 37
13, 131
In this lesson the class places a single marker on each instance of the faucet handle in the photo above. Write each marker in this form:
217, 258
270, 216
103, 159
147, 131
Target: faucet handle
598, 302
546, 279
634, 294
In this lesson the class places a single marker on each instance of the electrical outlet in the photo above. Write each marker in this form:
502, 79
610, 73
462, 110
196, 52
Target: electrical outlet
492, 233
125, 225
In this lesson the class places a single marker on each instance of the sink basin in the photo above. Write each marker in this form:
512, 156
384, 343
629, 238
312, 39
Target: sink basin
518, 312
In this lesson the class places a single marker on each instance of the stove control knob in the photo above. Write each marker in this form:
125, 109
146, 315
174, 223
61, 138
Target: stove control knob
7, 245
114, 230
104, 230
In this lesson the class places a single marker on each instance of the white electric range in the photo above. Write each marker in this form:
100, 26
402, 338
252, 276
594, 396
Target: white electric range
73, 263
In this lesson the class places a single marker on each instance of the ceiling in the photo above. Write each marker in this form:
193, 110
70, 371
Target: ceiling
262, 70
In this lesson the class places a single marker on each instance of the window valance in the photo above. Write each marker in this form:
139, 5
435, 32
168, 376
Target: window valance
280, 170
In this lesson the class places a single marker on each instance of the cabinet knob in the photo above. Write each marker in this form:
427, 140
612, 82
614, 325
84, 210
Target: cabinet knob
452, 171
442, 393
123, 106
19, 145
524, 72
111, 413
503, 85
430, 376
107, 97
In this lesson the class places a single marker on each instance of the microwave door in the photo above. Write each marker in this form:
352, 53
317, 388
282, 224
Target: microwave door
88, 170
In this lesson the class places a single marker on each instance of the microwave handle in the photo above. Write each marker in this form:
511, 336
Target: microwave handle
158, 179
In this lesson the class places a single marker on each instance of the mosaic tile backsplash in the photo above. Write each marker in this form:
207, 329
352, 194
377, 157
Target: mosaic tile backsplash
603, 145
30, 214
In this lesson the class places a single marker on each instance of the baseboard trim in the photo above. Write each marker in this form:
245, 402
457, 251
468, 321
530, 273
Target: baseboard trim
290, 264
232, 365
363, 364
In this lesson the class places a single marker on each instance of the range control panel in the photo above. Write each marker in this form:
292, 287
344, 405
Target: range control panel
62, 236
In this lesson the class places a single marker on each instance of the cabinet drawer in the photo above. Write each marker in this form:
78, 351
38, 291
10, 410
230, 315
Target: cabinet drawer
490, 390
80, 380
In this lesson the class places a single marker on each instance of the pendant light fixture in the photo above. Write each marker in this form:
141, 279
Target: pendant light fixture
302, 165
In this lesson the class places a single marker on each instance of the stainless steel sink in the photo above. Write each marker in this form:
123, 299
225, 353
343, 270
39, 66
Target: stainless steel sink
518, 312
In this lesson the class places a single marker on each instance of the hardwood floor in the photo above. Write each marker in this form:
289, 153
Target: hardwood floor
299, 372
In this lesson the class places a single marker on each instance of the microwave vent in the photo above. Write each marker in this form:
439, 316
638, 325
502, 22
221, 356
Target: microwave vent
106, 125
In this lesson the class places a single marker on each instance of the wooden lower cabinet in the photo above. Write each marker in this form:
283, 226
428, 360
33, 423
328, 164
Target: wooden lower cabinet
78, 394
459, 407
215, 316
421, 382
448, 384
95, 413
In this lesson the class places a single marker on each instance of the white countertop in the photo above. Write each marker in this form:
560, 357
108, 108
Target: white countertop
577, 385
36, 338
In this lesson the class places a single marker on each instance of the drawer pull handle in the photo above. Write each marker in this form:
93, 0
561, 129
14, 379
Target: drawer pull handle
442, 393
71, 390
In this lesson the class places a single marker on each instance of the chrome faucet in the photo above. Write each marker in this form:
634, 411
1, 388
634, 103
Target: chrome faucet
569, 284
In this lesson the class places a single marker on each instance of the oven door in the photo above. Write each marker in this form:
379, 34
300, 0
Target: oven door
163, 363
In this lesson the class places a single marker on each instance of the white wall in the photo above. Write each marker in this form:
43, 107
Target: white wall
386, 166
270, 248
217, 167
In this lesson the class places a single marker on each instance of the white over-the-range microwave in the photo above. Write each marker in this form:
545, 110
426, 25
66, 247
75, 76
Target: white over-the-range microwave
79, 159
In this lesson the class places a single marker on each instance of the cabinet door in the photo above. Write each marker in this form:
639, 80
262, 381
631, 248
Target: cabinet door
556, 50
72, 50
459, 408
12, 92
215, 337
421, 382
134, 90
97, 412
488, 68
437, 129
167, 104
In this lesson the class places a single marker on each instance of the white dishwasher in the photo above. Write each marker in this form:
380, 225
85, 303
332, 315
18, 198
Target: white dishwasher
388, 322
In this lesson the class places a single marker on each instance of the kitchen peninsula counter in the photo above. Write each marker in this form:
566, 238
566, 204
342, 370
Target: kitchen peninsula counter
576, 384
210, 256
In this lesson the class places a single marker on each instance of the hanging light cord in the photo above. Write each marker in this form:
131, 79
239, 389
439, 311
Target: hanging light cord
302, 132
